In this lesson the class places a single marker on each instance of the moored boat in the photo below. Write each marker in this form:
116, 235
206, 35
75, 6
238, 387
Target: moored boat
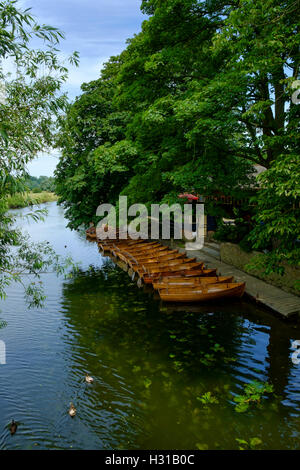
176, 277
91, 233
128, 244
202, 293
158, 255
179, 282
169, 267
157, 266
161, 265
140, 251
187, 274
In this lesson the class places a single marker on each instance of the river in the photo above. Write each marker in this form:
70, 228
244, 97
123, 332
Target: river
153, 365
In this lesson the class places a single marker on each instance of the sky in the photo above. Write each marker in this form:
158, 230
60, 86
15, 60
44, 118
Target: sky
97, 29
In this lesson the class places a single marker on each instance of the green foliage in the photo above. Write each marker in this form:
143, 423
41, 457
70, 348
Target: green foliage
208, 399
253, 394
237, 233
91, 171
252, 444
27, 261
31, 100
21, 200
198, 97
278, 215
40, 184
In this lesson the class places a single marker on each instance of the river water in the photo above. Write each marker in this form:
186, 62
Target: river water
153, 364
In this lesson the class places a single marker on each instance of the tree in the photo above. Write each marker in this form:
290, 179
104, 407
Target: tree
31, 103
150, 88
203, 93
277, 231
87, 173
262, 44
39, 184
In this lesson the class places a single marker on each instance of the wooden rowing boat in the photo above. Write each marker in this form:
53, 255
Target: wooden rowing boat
122, 258
105, 248
91, 235
169, 262
203, 293
187, 273
140, 249
181, 282
113, 247
160, 266
132, 244
176, 277
158, 255
160, 259
169, 267
193, 273
135, 246
154, 275
125, 242
130, 255
143, 251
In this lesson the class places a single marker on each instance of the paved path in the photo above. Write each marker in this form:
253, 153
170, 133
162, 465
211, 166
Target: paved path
282, 302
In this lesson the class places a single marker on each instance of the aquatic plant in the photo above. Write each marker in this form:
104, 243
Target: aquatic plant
249, 445
253, 394
208, 359
208, 399
218, 348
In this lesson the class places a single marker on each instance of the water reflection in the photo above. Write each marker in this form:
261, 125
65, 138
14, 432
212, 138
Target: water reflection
168, 357
152, 364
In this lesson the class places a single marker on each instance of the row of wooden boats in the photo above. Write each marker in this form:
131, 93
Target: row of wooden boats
176, 277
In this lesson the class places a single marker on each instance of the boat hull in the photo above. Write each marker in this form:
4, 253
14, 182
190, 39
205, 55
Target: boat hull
192, 282
209, 293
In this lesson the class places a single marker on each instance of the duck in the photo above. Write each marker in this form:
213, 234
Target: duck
89, 379
13, 427
72, 410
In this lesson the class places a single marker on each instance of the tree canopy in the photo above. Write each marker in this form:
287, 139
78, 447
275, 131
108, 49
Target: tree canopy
31, 101
201, 95
41, 183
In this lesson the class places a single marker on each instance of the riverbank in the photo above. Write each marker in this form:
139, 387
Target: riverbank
21, 200
283, 303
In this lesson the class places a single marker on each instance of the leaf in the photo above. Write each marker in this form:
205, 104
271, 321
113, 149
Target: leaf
147, 383
255, 441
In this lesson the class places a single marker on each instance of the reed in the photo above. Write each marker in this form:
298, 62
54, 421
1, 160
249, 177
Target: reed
20, 200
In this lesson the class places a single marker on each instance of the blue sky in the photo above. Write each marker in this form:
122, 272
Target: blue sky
97, 29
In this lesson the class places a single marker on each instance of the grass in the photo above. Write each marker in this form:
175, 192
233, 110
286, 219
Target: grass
20, 200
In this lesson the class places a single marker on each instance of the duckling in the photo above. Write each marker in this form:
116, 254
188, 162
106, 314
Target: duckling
13, 427
89, 379
72, 410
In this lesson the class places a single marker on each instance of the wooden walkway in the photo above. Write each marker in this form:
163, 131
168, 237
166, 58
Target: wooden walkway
284, 303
